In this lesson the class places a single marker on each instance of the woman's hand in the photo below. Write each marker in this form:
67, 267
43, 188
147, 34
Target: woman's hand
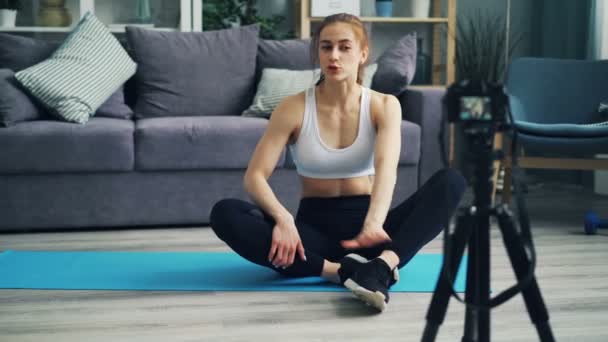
370, 235
285, 244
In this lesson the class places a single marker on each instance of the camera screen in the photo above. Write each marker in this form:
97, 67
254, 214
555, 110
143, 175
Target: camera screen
475, 108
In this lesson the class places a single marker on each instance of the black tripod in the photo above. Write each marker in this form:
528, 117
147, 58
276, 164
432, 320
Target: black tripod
472, 227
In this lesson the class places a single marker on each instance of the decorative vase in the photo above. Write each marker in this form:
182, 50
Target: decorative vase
423, 65
384, 8
52, 3
142, 12
53, 13
420, 8
7, 17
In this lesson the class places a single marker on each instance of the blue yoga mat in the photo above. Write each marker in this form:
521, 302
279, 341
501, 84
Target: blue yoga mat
181, 271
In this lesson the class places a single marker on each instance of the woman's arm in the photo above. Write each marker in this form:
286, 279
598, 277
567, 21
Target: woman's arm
265, 158
386, 154
386, 159
285, 237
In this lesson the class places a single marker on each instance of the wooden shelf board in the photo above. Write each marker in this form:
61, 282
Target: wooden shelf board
35, 29
68, 29
122, 29
394, 20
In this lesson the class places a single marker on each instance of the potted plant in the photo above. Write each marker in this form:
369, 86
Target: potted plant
483, 47
8, 12
219, 14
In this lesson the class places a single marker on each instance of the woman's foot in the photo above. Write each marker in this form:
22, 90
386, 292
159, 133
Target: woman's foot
370, 282
349, 264
339, 272
330, 271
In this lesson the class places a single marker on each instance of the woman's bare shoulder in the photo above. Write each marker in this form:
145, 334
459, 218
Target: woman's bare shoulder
380, 102
290, 105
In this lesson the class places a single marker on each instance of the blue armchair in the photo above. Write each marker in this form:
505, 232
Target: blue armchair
555, 105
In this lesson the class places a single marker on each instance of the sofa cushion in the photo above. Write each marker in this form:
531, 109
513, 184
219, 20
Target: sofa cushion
82, 74
188, 143
410, 143
410, 146
396, 66
292, 54
18, 53
194, 73
15, 104
103, 144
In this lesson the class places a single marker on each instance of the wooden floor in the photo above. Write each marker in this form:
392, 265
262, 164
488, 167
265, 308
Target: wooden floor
572, 273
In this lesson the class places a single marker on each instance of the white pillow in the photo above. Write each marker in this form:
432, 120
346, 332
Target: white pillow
277, 84
81, 75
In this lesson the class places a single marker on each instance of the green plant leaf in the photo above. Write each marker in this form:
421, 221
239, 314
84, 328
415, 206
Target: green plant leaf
480, 39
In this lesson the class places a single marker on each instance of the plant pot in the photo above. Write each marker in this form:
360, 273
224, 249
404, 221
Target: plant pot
420, 8
52, 3
7, 17
54, 17
384, 8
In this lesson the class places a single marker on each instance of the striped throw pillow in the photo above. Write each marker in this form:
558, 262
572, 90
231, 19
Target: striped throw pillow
82, 73
277, 84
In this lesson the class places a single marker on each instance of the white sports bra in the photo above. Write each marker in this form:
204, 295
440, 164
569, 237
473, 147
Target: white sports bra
316, 160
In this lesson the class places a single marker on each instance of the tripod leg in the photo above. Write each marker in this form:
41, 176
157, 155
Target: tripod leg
477, 321
471, 295
439, 303
521, 265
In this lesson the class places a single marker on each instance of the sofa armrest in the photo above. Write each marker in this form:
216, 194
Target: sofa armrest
423, 106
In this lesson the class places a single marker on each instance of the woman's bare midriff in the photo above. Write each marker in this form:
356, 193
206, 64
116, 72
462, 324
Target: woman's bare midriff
314, 187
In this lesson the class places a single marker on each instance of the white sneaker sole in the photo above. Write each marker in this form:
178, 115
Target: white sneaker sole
374, 299
357, 257
363, 260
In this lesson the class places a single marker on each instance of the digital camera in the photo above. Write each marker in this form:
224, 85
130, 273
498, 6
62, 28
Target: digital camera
476, 102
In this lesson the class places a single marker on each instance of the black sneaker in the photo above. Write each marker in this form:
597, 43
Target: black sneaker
371, 281
349, 264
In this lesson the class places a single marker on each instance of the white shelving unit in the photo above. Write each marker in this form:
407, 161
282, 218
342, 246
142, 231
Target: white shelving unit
78, 8
35, 29
443, 72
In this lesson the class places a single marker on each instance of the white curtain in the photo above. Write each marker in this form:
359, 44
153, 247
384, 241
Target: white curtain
598, 44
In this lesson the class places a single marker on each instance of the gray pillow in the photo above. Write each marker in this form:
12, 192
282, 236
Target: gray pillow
292, 54
276, 84
194, 73
115, 106
396, 66
82, 74
15, 105
18, 53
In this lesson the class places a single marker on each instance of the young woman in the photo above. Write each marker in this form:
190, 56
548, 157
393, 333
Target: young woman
345, 141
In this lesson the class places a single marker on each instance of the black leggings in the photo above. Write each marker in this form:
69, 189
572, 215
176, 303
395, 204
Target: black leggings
323, 222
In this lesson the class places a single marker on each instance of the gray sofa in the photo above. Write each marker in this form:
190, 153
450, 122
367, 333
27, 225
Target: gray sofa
165, 171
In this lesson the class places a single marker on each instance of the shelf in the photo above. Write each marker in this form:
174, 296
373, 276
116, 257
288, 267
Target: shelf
69, 29
172, 15
441, 20
35, 29
394, 20
121, 28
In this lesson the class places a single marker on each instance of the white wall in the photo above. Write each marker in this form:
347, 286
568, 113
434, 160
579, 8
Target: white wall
602, 21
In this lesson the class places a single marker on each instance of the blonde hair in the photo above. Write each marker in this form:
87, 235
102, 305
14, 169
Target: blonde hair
360, 33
